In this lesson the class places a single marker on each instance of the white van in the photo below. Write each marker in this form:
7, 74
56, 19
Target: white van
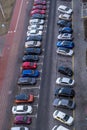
59, 128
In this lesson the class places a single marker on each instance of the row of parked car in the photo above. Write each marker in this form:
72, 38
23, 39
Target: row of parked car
65, 45
29, 71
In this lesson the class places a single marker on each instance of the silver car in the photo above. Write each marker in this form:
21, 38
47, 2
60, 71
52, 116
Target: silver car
65, 36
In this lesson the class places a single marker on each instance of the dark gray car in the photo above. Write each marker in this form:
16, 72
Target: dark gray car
26, 81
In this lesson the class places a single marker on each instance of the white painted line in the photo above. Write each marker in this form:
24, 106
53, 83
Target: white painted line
39, 78
40, 71
40, 63
35, 105
37, 96
33, 115
26, 88
42, 56
18, 16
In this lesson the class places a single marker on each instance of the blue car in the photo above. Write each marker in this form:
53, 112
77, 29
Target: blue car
30, 73
64, 23
35, 51
38, 16
66, 44
65, 30
34, 38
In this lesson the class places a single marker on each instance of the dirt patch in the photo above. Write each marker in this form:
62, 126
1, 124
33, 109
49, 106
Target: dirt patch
5, 16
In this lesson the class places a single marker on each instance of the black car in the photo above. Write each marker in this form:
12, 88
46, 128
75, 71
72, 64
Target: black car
26, 81
38, 16
34, 38
64, 23
64, 91
31, 58
65, 70
35, 51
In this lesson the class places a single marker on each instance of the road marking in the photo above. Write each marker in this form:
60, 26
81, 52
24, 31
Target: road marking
24, 88
42, 56
35, 105
40, 71
38, 78
33, 115
40, 63
37, 96
18, 16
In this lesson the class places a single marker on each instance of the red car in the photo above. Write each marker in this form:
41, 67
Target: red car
29, 65
42, 7
22, 119
40, 3
37, 11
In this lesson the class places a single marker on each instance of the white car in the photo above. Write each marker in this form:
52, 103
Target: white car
64, 9
64, 51
37, 27
32, 44
65, 17
34, 33
63, 117
65, 36
59, 128
22, 109
65, 81
19, 128
36, 21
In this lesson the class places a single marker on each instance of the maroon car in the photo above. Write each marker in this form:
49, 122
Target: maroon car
39, 3
41, 7
22, 119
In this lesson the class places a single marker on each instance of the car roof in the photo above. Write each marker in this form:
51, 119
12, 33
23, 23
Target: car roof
22, 96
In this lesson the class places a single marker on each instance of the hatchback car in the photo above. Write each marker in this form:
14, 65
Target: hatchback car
65, 30
65, 17
19, 128
36, 21
65, 36
64, 92
64, 23
63, 117
65, 81
29, 65
24, 98
37, 11
34, 51
22, 120
32, 44
60, 127
36, 27
65, 70
64, 9
43, 7
34, 32
26, 81
34, 38
38, 16
64, 103
64, 51
66, 44
22, 109
31, 58
30, 73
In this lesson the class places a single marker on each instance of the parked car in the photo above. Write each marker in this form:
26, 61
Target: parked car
65, 30
37, 11
22, 109
65, 81
26, 81
65, 70
31, 58
38, 16
60, 127
35, 27
64, 9
34, 38
64, 23
65, 36
19, 128
22, 120
32, 44
29, 65
64, 92
43, 7
63, 117
36, 21
24, 98
65, 17
30, 73
35, 51
66, 44
64, 103
39, 3
34, 32
64, 51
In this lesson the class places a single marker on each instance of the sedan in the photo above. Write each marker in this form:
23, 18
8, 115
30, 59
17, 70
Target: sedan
22, 109
34, 51
19, 128
22, 120
34, 38
36, 21
64, 51
65, 30
65, 36
26, 81
34, 32
43, 7
65, 17
64, 23
64, 103
30, 73
32, 44
60, 127
31, 58
66, 44
29, 65
65, 70
65, 92
36, 27
24, 98
38, 11
65, 81
64, 9
63, 117
38, 16
39, 3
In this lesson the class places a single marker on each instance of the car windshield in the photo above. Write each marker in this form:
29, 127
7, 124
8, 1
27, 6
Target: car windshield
70, 81
25, 118
66, 118
67, 9
25, 107
70, 103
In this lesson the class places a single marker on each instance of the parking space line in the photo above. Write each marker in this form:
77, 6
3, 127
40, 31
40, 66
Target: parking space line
33, 115
40, 63
37, 96
35, 105
25, 88
39, 78
41, 56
